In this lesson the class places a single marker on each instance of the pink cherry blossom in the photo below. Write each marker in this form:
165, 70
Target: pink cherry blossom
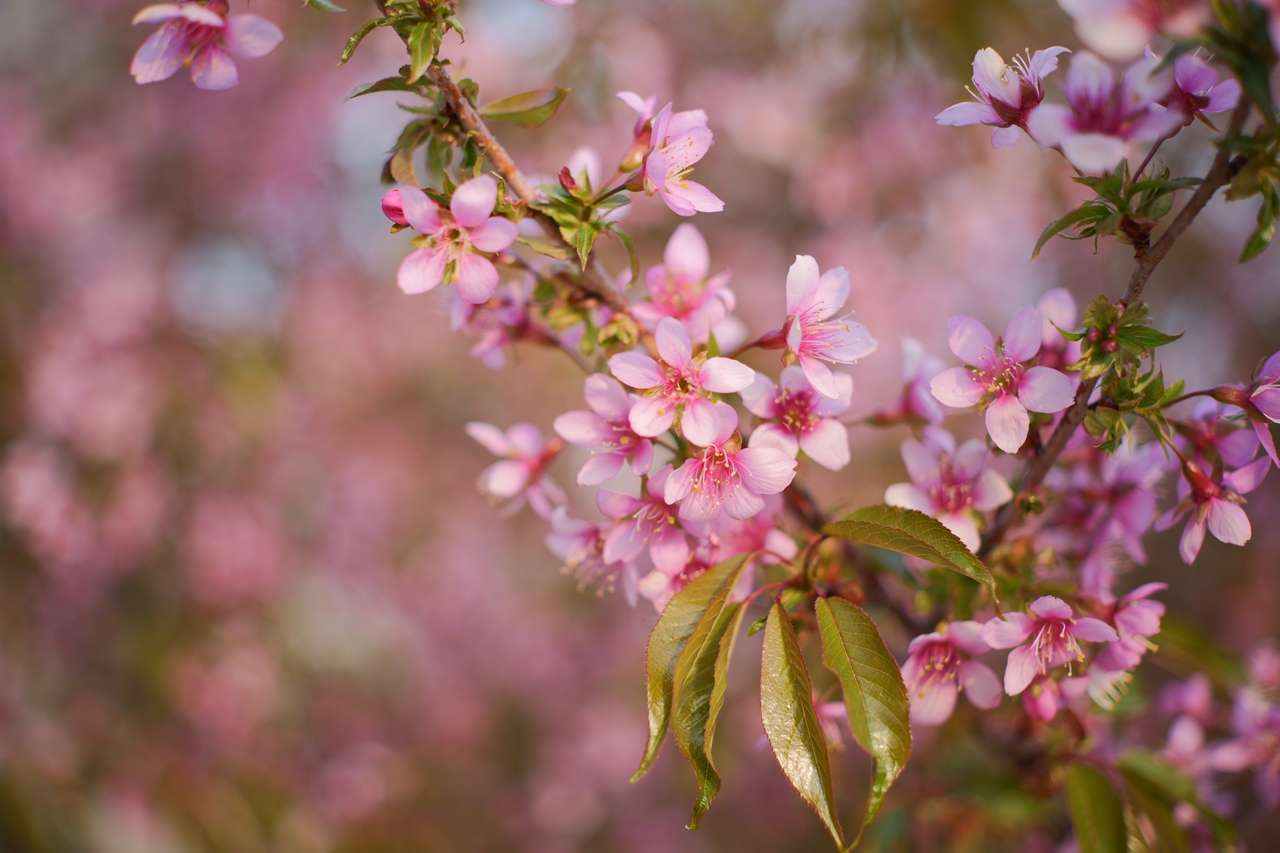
645, 521
1214, 505
916, 402
451, 239
997, 373
581, 545
812, 334
1119, 29
799, 418
1215, 432
725, 476
606, 430
937, 668
680, 379
200, 36
680, 288
1054, 635
1059, 311
1004, 96
1198, 89
728, 536
954, 485
645, 108
521, 474
677, 142
659, 586
499, 323
1135, 617
1104, 115
1046, 696
1255, 724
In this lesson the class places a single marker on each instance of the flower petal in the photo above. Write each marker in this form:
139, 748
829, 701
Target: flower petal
1228, 522
490, 437
477, 279
819, 376
636, 370
760, 397
777, 437
673, 343
802, 284
1020, 670
493, 235
957, 387
161, 55
249, 35
421, 270
1007, 423
1192, 539
725, 376
652, 416
971, 341
212, 69
686, 254
1006, 633
585, 429
1043, 389
1093, 631
969, 112
600, 468
473, 201
827, 444
980, 684
764, 470
932, 704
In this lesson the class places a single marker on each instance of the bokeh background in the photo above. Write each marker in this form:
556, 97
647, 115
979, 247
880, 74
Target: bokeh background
250, 599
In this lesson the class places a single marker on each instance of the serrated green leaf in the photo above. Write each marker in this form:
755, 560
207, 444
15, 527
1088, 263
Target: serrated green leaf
1100, 420
909, 531
757, 626
875, 696
584, 239
790, 721
423, 42
1145, 337
1096, 811
324, 5
676, 624
1087, 212
632, 257
358, 36
386, 84
528, 109
559, 251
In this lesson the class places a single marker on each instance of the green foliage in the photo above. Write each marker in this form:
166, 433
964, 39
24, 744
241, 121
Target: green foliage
579, 212
421, 27
875, 696
791, 722
1259, 175
1116, 338
1096, 811
324, 5
909, 531
1239, 39
1154, 787
528, 109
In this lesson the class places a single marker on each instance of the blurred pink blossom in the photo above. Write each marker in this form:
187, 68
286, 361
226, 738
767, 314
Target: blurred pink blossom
1005, 96
200, 35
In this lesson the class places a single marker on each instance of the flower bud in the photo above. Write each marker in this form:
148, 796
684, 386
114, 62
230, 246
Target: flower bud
1232, 395
393, 209
567, 181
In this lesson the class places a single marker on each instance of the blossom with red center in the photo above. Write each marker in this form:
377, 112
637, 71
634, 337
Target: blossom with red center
937, 668
606, 431
1054, 634
1214, 505
951, 484
680, 379
725, 476
997, 374
1198, 89
677, 141
500, 323
1135, 617
798, 418
1260, 400
520, 476
1005, 96
680, 287
200, 36
1216, 433
645, 521
451, 239
1119, 29
659, 586
812, 333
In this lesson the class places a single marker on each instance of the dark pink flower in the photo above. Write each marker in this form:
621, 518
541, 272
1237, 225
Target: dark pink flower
1046, 696
1216, 433
1135, 618
645, 521
1198, 89
1214, 505
1004, 96
200, 36
798, 418
521, 475
680, 288
813, 334
677, 142
1260, 400
997, 373
937, 668
581, 545
680, 379
1054, 634
606, 430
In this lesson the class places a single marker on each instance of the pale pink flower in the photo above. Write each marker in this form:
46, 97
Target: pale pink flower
1214, 432
677, 142
659, 586
725, 476
1255, 722
645, 108
812, 333
606, 431
916, 403
500, 323
200, 36
1135, 617
1198, 89
680, 379
1004, 96
1059, 311
452, 238
1193, 698
729, 536
645, 521
680, 288
1104, 115
1119, 29
1260, 400
799, 418
1054, 635
954, 485
1214, 505
521, 474
997, 372
581, 545
937, 668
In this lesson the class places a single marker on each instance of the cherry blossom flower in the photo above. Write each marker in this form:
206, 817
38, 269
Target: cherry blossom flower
645, 521
916, 403
1055, 635
1214, 505
1260, 400
799, 418
728, 536
725, 476
951, 484
606, 431
645, 108
812, 335
1135, 617
1045, 696
1004, 96
200, 36
679, 379
520, 475
1255, 723
581, 545
1119, 29
1198, 89
677, 142
452, 238
997, 372
1059, 311
680, 288
1104, 116
659, 586
937, 669
500, 323
1215, 432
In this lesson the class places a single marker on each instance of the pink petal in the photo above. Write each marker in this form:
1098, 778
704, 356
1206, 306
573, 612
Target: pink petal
249, 35
421, 270
686, 254
600, 468
1058, 308
910, 497
652, 415
1006, 633
505, 479
420, 211
819, 376
1268, 443
680, 484
967, 635
673, 343
922, 464
669, 549
980, 684
477, 279
689, 197
725, 376
526, 439
637, 370
585, 429
1050, 124
490, 437
971, 341
213, 70
932, 705
742, 503
760, 397
473, 201
1003, 137
1193, 74
700, 422
1020, 670
827, 444
990, 491
1192, 539
617, 505
493, 235
606, 397
802, 284
1022, 335
830, 406
158, 12
777, 437
624, 542
161, 55
1096, 153
850, 344
1007, 423
1043, 389
968, 461
969, 112
1051, 607
1228, 522
1093, 631
1141, 619
1245, 480
1223, 96
832, 292
764, 470
642, 458
957, 387
393, 207
993, 78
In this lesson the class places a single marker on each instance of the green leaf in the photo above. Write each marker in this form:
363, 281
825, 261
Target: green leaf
386, 84
528, 109
875, 696
1087, 212
584, 239
1146, 337
909, 531
401, 166
423, 42
358, 36
697, 672
1096, 811
676, 624
1100, 420
559, 251
631, 252
324, 6
1258, 241
790, 721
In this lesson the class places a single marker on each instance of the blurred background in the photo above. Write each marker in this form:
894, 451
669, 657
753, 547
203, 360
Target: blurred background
251, 598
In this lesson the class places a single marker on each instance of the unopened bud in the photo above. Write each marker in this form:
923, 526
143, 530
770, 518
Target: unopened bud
567, 181
1112, 330
1109, 346
1233, 395
1093, 335
777, 339
851, 592
393, 208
